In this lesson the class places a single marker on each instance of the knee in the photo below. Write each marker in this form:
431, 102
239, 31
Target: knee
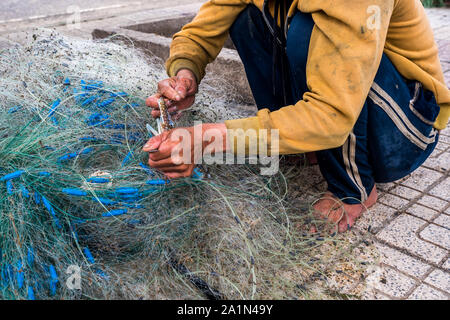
298, 38
243, 28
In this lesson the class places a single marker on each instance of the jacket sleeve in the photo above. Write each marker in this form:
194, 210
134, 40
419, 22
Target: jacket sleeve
200, 41
344, 55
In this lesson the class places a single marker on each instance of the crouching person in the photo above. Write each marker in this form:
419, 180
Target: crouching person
357, 82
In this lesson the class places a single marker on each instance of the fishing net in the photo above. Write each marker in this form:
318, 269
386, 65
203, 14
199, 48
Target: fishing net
76, 193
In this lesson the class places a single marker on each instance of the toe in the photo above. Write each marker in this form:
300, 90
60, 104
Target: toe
345, 224
352, 213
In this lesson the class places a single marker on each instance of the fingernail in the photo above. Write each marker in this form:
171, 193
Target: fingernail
177, 97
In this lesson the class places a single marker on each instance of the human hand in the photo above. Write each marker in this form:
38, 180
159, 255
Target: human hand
178, 148
178, 93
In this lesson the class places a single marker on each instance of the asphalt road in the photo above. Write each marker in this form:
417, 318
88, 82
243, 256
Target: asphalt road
24, 9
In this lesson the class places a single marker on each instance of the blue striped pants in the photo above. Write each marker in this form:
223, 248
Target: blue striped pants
394, 133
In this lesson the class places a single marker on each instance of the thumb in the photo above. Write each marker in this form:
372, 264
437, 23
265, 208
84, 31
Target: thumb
153, 143
182, 87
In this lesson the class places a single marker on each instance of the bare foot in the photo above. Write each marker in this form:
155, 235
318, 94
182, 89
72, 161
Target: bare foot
341, 214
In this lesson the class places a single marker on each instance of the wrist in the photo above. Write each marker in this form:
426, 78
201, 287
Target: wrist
218, 131
223, 133
177, 64
187, 73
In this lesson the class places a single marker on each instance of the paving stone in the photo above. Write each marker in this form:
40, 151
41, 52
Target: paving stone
442, 190
422, 178
443, 220
424, 292
444, 139
437, 235
432, 202
385, 186
372, 294
439, 279
422, 212
375, 218
440, 147
394, 201
445, 132
440, 163
405, 192
401, 233
401, 261
391, 282
446, 265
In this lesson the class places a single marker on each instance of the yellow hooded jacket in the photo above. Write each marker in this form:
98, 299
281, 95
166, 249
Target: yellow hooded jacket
345, 50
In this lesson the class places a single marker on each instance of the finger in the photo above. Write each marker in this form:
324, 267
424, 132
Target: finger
182, 87
174, 175
155, 142
190, 86
185, 103
180, 168
156, 113
172, 110
164, 163
152, 101
165, 151
152, 143
168, 92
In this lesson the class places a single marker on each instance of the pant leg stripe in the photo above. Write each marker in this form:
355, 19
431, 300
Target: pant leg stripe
433, 133
349, 162
395, 118
355, 170
401, 114
417, 88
